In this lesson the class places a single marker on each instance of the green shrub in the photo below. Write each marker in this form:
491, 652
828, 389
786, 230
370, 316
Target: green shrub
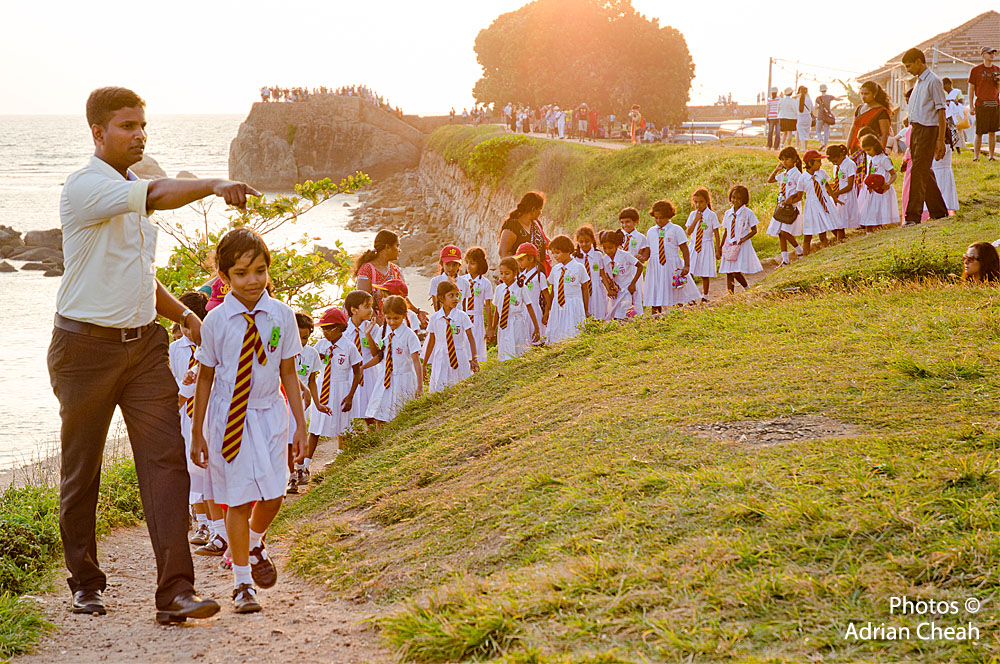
488, 159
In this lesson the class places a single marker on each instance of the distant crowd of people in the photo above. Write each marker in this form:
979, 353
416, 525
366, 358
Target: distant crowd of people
582, 122
478, 116
299, 94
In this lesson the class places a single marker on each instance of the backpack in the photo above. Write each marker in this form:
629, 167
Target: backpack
824, 113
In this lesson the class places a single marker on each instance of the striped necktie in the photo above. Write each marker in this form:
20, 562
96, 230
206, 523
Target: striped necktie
699, 234
388, 362
324, 390
252, 347
452, 353
470, 300
189, 404
663, 250
505, 309
586, 262
562, 288
357, 344
819, 194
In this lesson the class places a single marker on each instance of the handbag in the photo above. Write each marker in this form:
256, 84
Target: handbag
731, 252
786, 214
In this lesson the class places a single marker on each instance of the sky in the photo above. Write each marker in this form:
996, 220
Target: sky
212, 56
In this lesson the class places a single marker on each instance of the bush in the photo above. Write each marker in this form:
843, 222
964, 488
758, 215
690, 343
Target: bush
488, 160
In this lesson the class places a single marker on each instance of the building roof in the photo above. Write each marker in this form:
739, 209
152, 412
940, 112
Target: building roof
963, 43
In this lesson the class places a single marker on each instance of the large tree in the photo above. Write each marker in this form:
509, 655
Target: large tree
602, 52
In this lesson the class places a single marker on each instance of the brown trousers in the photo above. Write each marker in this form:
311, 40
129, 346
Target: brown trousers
90, 376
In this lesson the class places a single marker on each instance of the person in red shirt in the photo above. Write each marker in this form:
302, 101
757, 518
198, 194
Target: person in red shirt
984, 98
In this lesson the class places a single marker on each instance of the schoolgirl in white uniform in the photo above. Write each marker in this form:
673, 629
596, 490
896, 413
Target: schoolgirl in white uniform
818, 214
589, 256
739, 224
669, 257
359, 306
449, 341
477, 295
514, 324
248, 346
787, 174
570, 291
635, 243
183, 366
307, 364
620, 272
400, 375
338, 381
843, 184
878, 208
536, 286
702, 223
450, 265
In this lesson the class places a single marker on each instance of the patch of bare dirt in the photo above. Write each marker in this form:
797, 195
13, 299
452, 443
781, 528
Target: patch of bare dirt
776, 431
300, 623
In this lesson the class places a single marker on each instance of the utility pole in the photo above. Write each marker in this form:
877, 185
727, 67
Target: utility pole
770, 64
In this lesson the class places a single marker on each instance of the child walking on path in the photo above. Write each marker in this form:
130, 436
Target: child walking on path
620, 272
449, 341
511, 314
571, 291
636, 244
818, 214
589, 256
307, 365
479, 289
339, 380
400, 375
240, 427
739, 224
842, 187
359, 306
787, 172
667, 276
703, 233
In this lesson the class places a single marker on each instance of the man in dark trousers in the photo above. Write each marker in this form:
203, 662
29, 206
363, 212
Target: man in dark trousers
927, 140
108, 350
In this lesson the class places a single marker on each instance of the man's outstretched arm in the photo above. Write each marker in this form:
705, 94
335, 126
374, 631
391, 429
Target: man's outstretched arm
171, 193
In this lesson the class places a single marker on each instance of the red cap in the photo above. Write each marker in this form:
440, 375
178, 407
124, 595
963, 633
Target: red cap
394, 287
526, 249
810, 155
875, 182
333, 316
451, 253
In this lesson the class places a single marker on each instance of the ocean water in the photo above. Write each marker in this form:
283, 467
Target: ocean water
36, 155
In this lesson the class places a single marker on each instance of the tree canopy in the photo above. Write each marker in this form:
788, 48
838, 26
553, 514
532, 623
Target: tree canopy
602, 52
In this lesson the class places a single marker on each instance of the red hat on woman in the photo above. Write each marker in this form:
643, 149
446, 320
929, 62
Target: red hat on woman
526, 249
451, 253
333, 316
394, 287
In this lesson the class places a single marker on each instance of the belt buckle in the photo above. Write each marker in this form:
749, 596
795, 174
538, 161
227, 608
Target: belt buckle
131, 334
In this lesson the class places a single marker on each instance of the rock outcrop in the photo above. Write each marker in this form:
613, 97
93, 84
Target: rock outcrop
148, 169
279, 145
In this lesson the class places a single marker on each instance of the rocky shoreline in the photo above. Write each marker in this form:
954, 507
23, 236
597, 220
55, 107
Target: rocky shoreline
39, 250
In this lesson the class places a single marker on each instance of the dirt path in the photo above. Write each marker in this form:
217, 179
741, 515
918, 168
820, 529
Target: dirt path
300, 623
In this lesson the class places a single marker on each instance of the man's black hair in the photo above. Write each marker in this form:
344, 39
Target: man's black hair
103, 102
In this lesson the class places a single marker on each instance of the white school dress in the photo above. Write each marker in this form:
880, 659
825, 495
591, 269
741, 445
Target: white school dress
479, 289
591, 261
818, 215
945, 177
879, 209
659, 288
442, 373
534, 283
180, 354
386, 402
513, 339
259, 470
337, 366
634, 243
847, 205
703, 262
737, 223
621, 269
564, 319
356, 335
306, 363
788, 186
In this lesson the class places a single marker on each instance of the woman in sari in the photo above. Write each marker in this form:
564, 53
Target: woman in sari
875, 113
375, 267
522, 225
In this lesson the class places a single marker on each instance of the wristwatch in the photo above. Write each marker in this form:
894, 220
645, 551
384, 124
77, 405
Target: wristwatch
184, 316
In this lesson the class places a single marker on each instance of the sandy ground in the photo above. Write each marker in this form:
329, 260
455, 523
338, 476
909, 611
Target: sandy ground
300, 623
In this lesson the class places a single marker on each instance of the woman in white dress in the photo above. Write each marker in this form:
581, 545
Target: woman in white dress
803, 122
739, 224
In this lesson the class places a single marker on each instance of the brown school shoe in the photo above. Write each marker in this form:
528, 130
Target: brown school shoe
245, 599
263, 572
200, 536
216, 547
293, 485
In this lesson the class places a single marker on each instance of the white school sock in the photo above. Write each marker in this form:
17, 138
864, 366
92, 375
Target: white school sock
305, 463
255, 539
784, 256
299, 466
798, 250
218, 528
241, 575
202, 519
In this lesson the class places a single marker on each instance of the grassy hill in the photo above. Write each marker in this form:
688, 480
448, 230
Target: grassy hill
737, 483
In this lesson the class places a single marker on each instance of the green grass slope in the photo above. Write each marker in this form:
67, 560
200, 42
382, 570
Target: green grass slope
560, 508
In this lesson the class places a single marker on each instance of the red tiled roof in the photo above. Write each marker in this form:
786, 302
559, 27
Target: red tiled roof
962, 42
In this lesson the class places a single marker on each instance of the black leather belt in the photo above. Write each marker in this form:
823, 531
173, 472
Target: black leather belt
122, 334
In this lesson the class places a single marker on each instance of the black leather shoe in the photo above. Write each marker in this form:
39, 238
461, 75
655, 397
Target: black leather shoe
88, 601
187, 605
